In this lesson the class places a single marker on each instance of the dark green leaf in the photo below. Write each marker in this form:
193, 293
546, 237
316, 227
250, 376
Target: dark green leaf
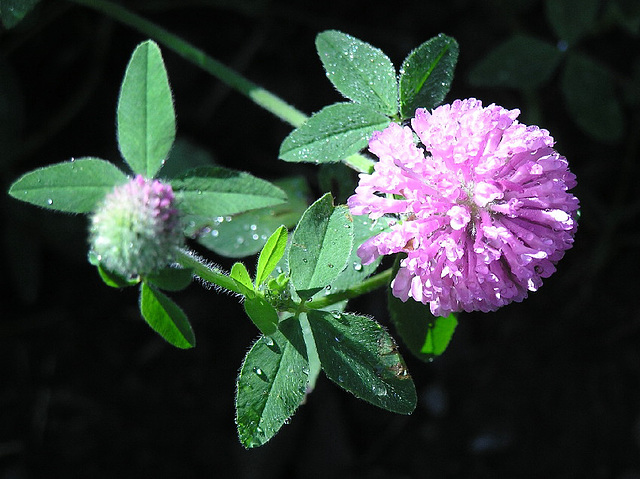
165, 317
171, 279
111, 278
591, 100
13, 11
186, 155
216, 191
359, 355
359, 71
320, 247
74, 186
426, 74
271, 386
263, 315
246, 233
572, 19
520, 62
146, 120
334, 133
271, 254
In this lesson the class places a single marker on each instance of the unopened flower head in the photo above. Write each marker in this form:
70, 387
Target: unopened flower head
482, 202
136, 229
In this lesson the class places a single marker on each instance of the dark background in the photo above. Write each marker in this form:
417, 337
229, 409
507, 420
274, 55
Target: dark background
546, 388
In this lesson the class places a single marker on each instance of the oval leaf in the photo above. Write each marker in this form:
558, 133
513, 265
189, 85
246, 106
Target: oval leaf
590, 97
359, 71
358, 355
320, 247
166, 318
271, 386
74, 186
146, 120
241, 276
216, 191
332, 134
263, 315
520, 62
171, 279
426, 74
271, 254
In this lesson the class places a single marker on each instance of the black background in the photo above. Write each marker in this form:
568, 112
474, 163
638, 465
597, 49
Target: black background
546, 388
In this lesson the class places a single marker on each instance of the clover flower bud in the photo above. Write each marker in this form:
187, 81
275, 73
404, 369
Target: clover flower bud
482, 203
136, 229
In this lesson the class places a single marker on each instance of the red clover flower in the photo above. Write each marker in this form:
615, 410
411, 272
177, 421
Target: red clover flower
136, 229
483, 207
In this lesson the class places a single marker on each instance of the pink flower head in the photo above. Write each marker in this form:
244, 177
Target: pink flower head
483, 206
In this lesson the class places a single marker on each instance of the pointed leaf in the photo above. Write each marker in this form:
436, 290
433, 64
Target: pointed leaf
241, 276
146, 120
591, 99
520, 62
271, 254
426, 74
13, 11
334, 133
216, 191
320, 247
359, 71
263, 315
74, 186
271, 386
171, 279
111, 278
165, 317
359, 355
439, 335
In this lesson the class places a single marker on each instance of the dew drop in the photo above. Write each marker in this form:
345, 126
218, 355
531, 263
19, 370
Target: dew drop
357, 266
214, 233
255, 237
261, 374
49, 201
219, 219
253, 227
199, 192
336, 314
227, 218
268, 341
239, 240
379, 390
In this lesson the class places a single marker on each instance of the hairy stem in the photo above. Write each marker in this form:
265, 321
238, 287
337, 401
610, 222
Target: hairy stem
206, 272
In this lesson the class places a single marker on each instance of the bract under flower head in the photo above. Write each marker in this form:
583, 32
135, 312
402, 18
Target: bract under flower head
483, 207
136, 229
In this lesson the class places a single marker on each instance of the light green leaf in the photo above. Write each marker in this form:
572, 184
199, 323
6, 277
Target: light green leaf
13, 11
171, 279
572, 19
520, 62
271, 386
591, 100
358, 355
165, 317
320, 247
74, 186
271, 254
263, 315
441, 330
146, 120
241, 276
334, 133
359, 71
216, 191
426, 74
245, 234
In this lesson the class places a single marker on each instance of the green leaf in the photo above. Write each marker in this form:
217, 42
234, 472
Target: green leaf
165, 317
320, 247
520, 62
74, 186
591, 100
359, 355
241, 276
334, 133
171, 279
13, 11
572, 19
359, 71
216, 191
111, 278
271, 254
263, 315
271, 386
146, 120
186, 155
441, 330
245, 234
426, 74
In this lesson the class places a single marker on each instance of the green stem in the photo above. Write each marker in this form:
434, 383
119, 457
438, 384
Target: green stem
259, 95
206, 272
374, 282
